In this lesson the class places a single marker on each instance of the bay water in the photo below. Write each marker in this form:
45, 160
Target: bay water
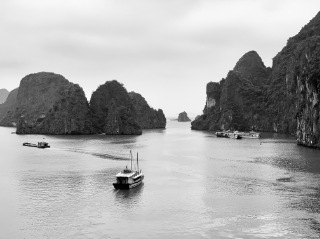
196, 186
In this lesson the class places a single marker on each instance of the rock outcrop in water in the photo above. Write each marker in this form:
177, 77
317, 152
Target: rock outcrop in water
282, 99
148, 118
7, 109
112, 110
3, 95
47, 103
183, 117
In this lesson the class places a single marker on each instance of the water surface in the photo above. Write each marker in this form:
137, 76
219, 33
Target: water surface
196, 186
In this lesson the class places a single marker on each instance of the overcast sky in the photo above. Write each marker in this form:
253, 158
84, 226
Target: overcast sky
166, 50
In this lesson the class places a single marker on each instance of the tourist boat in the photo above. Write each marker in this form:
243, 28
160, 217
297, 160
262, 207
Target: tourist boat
129, 178
234, 135
250, 135
40, 145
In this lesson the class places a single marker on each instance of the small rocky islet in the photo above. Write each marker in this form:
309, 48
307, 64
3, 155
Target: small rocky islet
47, 103
183, 117
283, 99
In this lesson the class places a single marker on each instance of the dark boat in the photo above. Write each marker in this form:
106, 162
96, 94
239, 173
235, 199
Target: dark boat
41, 145
129, 178
228, 134
222, 134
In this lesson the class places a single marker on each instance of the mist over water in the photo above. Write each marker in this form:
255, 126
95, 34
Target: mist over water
196, 186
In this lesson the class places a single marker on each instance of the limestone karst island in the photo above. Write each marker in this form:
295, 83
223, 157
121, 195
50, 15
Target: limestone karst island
47, 103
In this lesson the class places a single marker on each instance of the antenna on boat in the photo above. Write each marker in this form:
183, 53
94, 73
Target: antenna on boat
137, 162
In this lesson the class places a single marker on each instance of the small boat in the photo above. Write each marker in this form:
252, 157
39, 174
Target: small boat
41, 145
222, 134
128, 178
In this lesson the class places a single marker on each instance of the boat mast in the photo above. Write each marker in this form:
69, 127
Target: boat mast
137, 162
131, 158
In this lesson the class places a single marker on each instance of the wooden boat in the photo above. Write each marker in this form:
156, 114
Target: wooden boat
40, 145
129, 178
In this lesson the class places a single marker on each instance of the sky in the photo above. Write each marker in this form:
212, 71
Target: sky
166, 50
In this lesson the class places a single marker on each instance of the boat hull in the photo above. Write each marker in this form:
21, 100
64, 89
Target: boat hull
127, 185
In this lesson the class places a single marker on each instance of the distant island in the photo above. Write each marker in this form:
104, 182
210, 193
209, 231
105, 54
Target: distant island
284, 98
183, 117
47, 103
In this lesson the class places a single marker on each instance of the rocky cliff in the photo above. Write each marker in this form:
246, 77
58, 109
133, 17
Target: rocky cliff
236, 102
183, 117
3, 95
282, 99
47, 103
113, 111
7, 110
148, 118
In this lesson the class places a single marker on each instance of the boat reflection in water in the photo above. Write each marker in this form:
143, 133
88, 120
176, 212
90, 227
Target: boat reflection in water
129, 178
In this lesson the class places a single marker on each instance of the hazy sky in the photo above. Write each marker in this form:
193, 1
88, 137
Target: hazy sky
167, 50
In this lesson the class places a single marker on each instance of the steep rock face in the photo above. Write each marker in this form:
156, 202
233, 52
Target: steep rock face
282, 99
236, 101
183, 117
112, 110
302, 81
148, 118
7, 109
3, 95
47, 103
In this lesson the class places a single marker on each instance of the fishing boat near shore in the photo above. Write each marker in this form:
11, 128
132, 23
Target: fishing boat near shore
228, 134
250, 135
222, 134
129, 178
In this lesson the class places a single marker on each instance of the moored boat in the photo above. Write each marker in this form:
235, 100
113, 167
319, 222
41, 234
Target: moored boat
129, 178
222, 134
250, 135
228, 134
234, 135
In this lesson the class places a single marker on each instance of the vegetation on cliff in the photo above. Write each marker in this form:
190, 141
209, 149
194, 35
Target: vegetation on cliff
148, 118
113, 111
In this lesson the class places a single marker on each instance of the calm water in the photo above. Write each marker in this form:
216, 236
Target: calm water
196, 186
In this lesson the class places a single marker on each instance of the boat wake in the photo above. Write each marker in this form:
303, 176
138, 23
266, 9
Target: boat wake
100, 155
